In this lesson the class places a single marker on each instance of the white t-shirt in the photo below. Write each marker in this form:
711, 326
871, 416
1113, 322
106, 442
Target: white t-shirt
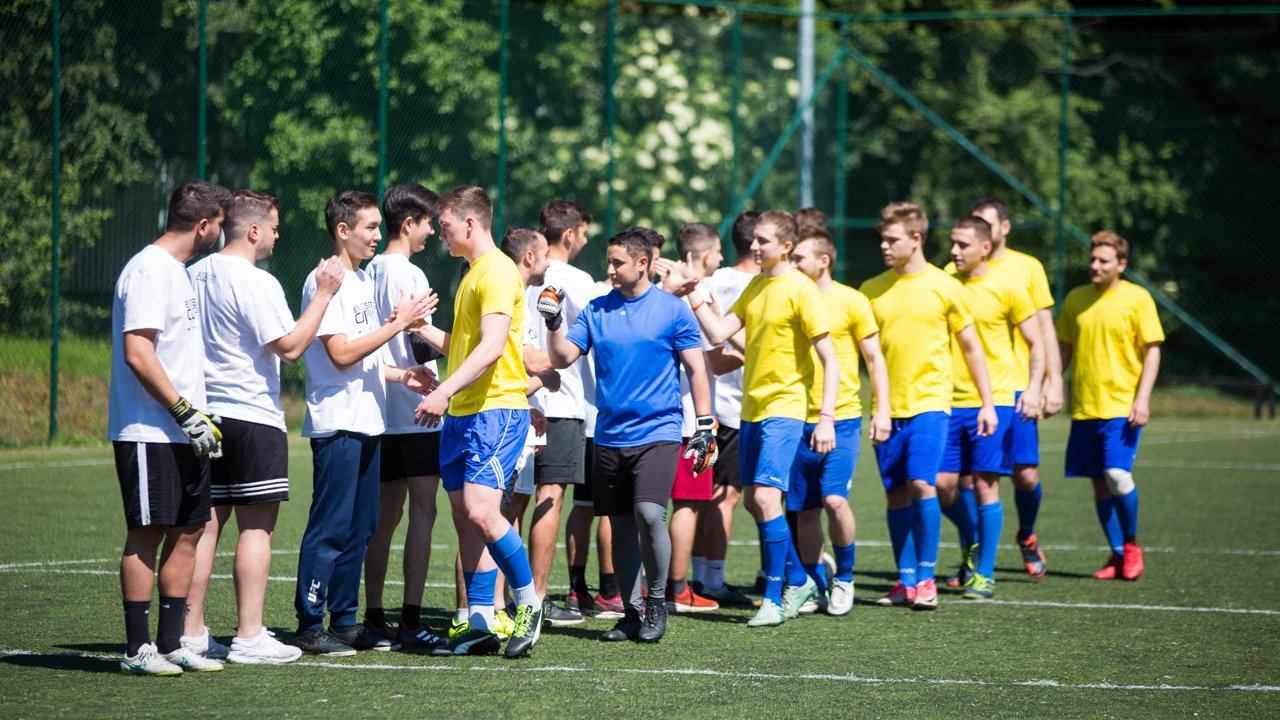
726, 284
392, 274
579, 289
153, 292
350, 398
242, 310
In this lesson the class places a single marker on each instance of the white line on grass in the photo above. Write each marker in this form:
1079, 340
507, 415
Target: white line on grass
698, 672
1208, 465
1029, 603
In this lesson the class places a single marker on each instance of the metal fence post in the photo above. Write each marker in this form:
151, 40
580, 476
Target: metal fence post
1064, 139
504, 27
611, 112
735, 99
202, 129
384, 62
56, 262
842, 148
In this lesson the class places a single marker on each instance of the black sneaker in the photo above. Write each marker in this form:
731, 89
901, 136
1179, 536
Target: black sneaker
655, 620
361, 638
557, 616
320, 642
470, 641
628, 628
420, 638
528, 628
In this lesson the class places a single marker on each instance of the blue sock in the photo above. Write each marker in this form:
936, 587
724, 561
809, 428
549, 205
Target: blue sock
819, 574
508, 553
794, 569
479, 592
990, 525
774, 539
1028, 507
1110, 525
928, 533
1127, 513
844, 561
904, 548
963, 513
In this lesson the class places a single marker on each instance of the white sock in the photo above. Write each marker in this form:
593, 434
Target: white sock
714, 574
526, 596
481, 617
461, 615
699, 570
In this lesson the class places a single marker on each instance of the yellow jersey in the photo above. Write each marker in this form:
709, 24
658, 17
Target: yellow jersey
849, 313
782, 316
1108, 333
492, 287
917, 315
1027, 272
999, 304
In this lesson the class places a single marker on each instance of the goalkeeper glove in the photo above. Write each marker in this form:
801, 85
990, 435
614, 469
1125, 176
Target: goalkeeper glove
201, 430
550, 304
702, 446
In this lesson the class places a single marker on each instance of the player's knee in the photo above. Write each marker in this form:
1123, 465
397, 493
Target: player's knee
835, 503
1119, 482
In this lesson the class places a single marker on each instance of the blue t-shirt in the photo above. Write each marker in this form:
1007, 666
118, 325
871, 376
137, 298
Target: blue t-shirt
637, 343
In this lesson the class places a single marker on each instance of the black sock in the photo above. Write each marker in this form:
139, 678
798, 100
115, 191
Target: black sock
609, 585
169, 626
410, 616
375, 616
137, 625
675, 587
578, 579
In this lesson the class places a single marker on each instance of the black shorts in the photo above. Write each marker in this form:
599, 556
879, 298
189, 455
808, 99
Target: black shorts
623, 477
560, 461
727, 470
582, 492
410, 455
254, 467
162, 484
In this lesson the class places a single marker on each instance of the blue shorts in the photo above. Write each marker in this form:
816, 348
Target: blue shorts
1022, 442
766, 449
967, 451
913, 450
482, 448
815, 476
1097, 445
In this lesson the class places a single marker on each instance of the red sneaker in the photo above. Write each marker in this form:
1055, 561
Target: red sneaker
1132, 565
898, 595
608, 607
1111, 570
926, 596
691, 602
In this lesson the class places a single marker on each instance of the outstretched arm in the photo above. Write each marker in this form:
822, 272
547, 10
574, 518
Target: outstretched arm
718, 328
493, 336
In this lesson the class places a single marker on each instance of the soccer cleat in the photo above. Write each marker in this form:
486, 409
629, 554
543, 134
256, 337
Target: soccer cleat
655, 621
361, 638
457, 628
691, 602
382, 630
557, 616
525, 632
204, 645
794, 598
628, 628
965, 573
420, 638
729, 595
769, 614
504, 623
469, 641
320, 642
608, 607
899, 594
1032, 557
579, 602
1111, 570
926, 596
1131, 566
263, 649
980, 587
841, 600
148, 662
190, 661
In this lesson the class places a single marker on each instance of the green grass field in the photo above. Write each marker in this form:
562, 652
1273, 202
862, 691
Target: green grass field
1198, 634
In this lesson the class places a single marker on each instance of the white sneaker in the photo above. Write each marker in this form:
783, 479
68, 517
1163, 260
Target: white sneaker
262, 650
841, 601
148, 662
204, 645
818, 604
190, 661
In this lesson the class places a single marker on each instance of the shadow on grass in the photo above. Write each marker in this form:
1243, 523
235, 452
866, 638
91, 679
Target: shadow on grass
67, 661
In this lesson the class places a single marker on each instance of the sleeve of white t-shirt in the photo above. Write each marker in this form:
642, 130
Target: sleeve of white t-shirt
332, 323
268, 312
138, 293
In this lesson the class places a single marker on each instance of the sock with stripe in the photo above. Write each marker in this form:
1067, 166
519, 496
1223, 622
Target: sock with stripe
927, 533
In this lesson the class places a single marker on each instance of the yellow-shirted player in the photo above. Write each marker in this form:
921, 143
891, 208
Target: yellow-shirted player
918, 308
1001, 310
784, 317
487, 422
822, 481
1111, 328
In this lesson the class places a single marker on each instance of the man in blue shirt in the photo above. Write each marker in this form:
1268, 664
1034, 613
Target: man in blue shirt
640, 333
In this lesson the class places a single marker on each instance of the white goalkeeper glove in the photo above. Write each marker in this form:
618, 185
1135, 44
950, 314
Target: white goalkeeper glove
201, 430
